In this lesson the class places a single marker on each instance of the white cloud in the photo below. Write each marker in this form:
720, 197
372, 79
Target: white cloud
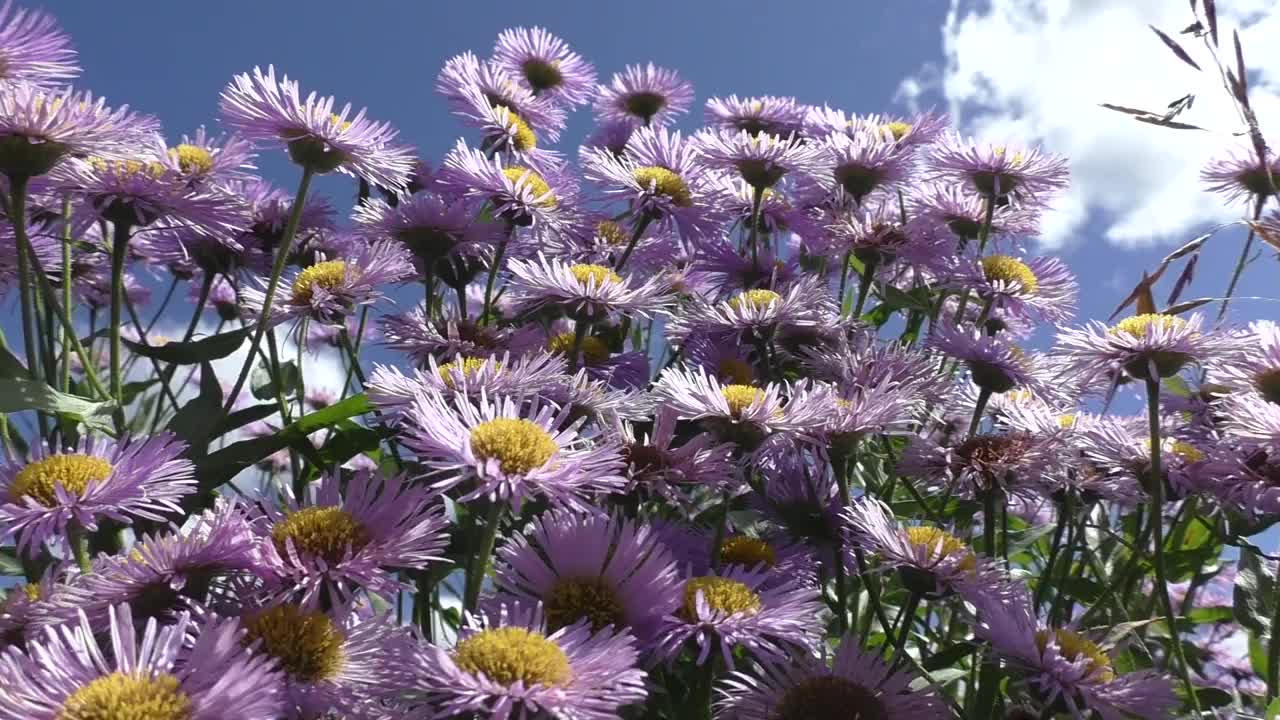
1035, 71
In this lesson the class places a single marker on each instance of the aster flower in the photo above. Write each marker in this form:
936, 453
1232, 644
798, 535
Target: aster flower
784, 560
662, 178
779, 216
964, 214
202, 159
1257, 367
98, 479
330, 290
994, 365
541, 197
755, 115
1138, 345
1068, 434
1123, 447
999, 172
154, 674
34, 49
547, 65
1244, 478
40, 127
1252, 418
607, 572
735, 609
349, 535
506, 450
451, 336
1239, 176
432, 227
757, 313
588, 293
269, 207
260, 107
335, 661
1040, 289
392, 391
644, 94
485, 94
1066, 669
23, 606
761, 160
877, 237
657, 466
508, 666
804, 503
857, 684
611, 136
857, 411
1012, 462
906, 132
861, 164
744, 414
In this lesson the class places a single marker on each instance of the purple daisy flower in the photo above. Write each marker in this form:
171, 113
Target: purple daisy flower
159, 674
1139, 345
761, 160
543, 197
861, 164
607, 572
548, 66
507, 666
392, 391
930, 561
24, 606
994, 365
804, 503
662, 179
656, 466
999, 172
1253, 419
1257, 366
758, 313
588, 293
1010, 461
330, 661
1068, 670
740, 609
40, 127
506, 450
477, 88
778, 216
964, 214
261, 108
598, 400
201, 158
1240, 177
349, 535
434, 228
1068, 431
330, 290
906, 132
785, 561
117, 480
611, 136
269, 207
34, 49
1122, 447
1040, 289
857, 411
876, 235
450, 337
857, 684
1244, 478
755, 115
645, 95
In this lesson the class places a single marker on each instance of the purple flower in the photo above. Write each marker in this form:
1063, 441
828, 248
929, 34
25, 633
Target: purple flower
1138, 345
588, 293
755, 115
269, 209
662, 179
1122, 447
1244, 478
857, 685
201, 158
761, 160
994, 365
260, 107
861, 164
160, 674
330, 290
1241, 177
1257, 366
99, 479
1064, 667
739, 609
507, 450
757, 313
964, 214
538, 197
657, 466
40, 127
1040, 289
507, 666
34, 49
999, 172
350, 535
876, 235
485, 93
433, 227
392, 391
590, 568
451, 336
1253, 419
644, 95
743, 414
1009, 461
547, 65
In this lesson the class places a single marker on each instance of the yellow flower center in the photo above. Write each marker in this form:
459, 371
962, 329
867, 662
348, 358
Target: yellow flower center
330, 275
508, 655
721, 595
740, 397
661, 181
1003, 268
72, 472
325, 532
468, 366
754, 299
575, 599
524, 138
121, 696
520, 446
1066, 422
735, 370
1074, 646
32, 591
128, 167
941, 542
1185, 451
612, 233
343, 125
192, 159
1138, 325
897, 129
593, 349
831, 697
306, 644
746, 551
528, 178
599, 274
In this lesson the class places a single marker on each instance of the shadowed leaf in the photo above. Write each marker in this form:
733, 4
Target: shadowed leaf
194, 352
1211, 17
1187, 306
1175, 47
1184, 279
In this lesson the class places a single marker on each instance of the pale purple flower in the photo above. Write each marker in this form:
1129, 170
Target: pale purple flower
546, 64
34, 49
755, 115
1138, 345
1041, 289
392, 391
1253, 419
1257, 366
761, 160
1122, 446
657, 466
451, 336
540, 197
994, 365
861, 164
758, 312
644, 95
964, 213
999, 172
1239, 176
585, 292
433, 227
203, 159
39, 127
475, 88
1009, 461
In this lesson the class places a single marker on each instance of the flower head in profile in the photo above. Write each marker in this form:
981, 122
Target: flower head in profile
858, 165
1139, 345
392, 391
644, 95
740, 609
857, 684
351, 536
964, 213
662, 178
757, 312
1012, 462
999, 172
158, 673
755, 115
440, 231
331, 290
587, 292
41, 127
877, 237
542, 197
546, 64
34, 50
1039, 289
507, 449
744, 414
658, 466
1121, 446
451, 336
994, 365
509, 664
761, 160
260, 107
1241, 176
202, 158
486, 94
1256, 368
97, 480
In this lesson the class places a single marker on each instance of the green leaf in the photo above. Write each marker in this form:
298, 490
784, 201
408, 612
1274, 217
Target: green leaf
1211, 615
194, 352
898, 299
1273, 710
18, 394
244, 416
196, 420
133, 389
1255, 593
264, 386
10, 365
348, 440
9, 562
1257, 655
948, 656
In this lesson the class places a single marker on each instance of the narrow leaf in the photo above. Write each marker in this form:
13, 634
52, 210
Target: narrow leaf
1171, 124
1187, 248
18, 394
1187, 306
1126, 110
1242, 78
1255, 593
1211, 16
194, 352
1146, 303
1184, 279
195, 421
1175, 47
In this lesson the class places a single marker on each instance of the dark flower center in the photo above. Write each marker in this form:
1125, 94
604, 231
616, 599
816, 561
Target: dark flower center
575, 599
832, 698
644, 105
542, 75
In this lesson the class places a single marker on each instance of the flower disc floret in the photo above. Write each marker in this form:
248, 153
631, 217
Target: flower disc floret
305, 643
740, 397
747, 551
519, 445
829, 696
587, 274
758, 299
329, 275
127, 696
722, 595
593, 599
665, 182
535, 182
1006, 269
1074, 646
507, 655
71, 472
321, 531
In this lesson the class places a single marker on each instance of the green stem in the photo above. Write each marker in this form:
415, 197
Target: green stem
840, 468
1043, 586
66, 290
277, 269
1258, 204
579, 334
1157, 522
164, 303
908, 618
642, 222
480, 562
979, 408
68, 328
864, 286
757, 197
722, 523
79, 543
493, 274
18, 217
119, 254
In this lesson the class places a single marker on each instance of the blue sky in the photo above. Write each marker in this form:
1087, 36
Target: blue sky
1012, 70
